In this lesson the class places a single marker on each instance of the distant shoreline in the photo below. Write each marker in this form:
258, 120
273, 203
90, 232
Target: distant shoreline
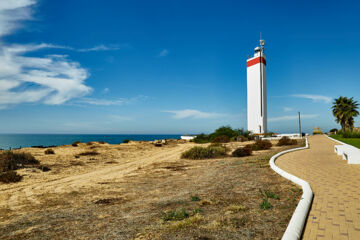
14, 141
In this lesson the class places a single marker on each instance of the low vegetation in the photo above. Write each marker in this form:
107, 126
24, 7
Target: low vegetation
126, 141
260, 145
242, 151
10, 177
11, 161
224, 134
75, 144
212, 151
49, 151
352, 141
88, 153
286, 141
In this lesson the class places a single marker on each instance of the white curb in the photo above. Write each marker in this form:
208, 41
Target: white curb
296, 225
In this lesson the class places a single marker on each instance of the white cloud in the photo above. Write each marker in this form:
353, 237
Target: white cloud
192, 113
315, 98
109, 102
288, 109
106, 90
101, 47
50, 79
102, 102
12, 12
292, 117
163, 53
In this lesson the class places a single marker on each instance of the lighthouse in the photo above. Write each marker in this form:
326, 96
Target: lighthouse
256, 91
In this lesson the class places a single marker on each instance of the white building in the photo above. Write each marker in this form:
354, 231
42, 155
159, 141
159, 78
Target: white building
256, 91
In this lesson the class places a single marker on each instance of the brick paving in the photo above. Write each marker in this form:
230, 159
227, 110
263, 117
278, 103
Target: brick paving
335, 211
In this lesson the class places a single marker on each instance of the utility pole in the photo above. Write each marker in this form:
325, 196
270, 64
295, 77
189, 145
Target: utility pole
300, 126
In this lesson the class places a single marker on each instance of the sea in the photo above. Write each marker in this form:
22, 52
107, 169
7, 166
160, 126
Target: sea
12, 141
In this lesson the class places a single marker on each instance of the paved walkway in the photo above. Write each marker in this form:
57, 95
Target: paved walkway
335, 212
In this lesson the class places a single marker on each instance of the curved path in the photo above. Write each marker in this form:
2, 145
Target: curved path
335, 212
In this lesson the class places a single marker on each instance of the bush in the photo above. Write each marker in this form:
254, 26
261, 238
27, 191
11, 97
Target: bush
12, 161
126, 141
242, 151
49, 151
204, 152
89, 153
221, 139
224, 131
176, 215
201, 138
334, 130
260, 145
101, 142
9, 177
285, 141
75, 144
349, 134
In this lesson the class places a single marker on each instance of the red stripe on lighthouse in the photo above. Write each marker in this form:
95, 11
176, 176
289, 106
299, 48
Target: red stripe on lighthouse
256, 61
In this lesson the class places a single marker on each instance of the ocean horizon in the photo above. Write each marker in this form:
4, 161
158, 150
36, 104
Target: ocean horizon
11, 141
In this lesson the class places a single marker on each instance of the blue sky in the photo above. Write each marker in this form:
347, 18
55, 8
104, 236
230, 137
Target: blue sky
171, 66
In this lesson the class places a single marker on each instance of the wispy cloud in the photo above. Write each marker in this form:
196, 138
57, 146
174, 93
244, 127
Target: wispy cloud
50, 79
292, 117
192, 113
108, 102
105, 90
163, 53
315, 98
103, 47
288, 109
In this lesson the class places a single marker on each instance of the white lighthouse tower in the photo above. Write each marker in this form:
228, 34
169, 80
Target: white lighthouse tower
256, 91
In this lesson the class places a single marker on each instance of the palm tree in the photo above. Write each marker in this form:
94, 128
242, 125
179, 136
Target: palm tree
344, 110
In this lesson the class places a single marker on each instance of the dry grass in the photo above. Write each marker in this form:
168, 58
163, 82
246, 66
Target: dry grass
129, 198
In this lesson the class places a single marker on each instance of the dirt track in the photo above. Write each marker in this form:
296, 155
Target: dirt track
16, 197
124, 191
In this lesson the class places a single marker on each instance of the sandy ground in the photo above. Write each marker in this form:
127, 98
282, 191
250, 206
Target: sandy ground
125, 191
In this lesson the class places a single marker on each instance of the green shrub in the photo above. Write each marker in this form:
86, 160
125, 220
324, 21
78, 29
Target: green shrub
12, 161
286, 141
204, 152
265, 204
49, 151
75, 144
272, 195
195, 199
221, 139
10, 177
126, 141
349, 134
201, 138
260, 145
334, 130
224, 131
242, 151
176, 215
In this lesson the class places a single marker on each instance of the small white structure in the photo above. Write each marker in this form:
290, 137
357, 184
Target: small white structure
256, 91
186, 137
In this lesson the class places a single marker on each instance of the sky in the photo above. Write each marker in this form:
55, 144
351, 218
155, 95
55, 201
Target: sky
171, 67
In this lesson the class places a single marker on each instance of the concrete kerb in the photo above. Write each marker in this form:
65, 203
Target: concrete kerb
297, 222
